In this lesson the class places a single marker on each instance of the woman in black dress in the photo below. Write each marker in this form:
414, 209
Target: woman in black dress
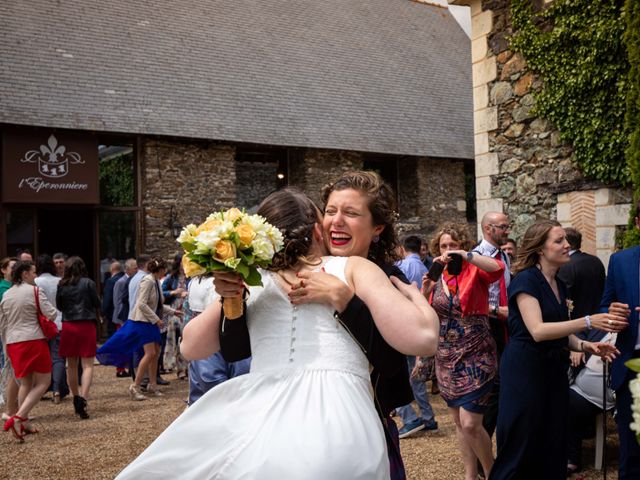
534, 392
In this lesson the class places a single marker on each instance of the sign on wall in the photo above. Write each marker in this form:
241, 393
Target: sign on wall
49, 167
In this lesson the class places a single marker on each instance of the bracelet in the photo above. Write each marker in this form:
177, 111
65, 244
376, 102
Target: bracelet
587, 320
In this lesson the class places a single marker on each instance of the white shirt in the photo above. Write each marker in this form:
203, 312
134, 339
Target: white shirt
486, 249
201, 293
133, 289
49, 286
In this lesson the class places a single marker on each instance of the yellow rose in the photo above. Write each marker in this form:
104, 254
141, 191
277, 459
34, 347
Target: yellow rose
232, 214
192, 269
246, 234
225, 249
208, 226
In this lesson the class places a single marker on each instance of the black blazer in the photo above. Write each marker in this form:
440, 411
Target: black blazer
584, 276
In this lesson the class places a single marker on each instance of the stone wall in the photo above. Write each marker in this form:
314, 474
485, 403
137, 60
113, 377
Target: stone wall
432, 191
194, 178
311, 169
198, 178
255, 180
522, 166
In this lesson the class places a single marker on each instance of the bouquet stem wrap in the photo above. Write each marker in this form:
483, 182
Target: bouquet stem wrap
233, 307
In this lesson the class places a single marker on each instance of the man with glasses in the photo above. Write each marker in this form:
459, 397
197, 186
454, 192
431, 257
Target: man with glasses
495, 232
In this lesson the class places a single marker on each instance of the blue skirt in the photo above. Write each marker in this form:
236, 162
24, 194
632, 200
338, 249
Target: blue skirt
119, 349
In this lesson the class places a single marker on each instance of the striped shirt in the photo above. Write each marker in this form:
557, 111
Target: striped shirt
486, 249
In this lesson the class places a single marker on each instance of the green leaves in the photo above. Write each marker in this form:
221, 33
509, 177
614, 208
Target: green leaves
633, 364
577, 48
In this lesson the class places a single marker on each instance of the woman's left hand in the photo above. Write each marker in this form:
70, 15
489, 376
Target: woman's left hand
321, 287
606, 351
462, 253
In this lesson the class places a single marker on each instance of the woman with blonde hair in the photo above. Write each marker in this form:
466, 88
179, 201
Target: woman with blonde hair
466, 360
534, 388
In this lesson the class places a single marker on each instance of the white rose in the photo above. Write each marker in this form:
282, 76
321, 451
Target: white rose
262, 248
187, 234
206, 242
256, 222
277, 240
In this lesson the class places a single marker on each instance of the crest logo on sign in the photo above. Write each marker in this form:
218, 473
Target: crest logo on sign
53, 160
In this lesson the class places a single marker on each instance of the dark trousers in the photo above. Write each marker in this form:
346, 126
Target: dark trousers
490, 417
582, 416
629, 467
58, 369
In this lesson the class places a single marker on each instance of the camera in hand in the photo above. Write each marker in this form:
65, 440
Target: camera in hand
435, 271
454, 267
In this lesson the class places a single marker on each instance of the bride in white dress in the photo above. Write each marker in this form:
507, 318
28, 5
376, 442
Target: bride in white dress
305, 411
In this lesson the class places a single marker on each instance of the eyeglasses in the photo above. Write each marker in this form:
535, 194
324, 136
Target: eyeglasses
503, 227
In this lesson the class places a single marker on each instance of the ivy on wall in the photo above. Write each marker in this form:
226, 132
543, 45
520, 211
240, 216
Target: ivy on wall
632, 117
577, 48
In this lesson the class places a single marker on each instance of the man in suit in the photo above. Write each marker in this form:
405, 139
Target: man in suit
622, 297
107, 295
584, 276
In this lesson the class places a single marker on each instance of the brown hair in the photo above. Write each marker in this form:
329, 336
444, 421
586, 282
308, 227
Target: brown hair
74, 270
18, 269
295, 215
4, 263
458, 233
532, 242
156, 264
382, 205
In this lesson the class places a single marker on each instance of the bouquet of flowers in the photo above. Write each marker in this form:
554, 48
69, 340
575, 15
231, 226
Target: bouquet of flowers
230, 241
634, 387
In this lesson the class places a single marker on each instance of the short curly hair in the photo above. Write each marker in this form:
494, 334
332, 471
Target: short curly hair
459, 233
382, 205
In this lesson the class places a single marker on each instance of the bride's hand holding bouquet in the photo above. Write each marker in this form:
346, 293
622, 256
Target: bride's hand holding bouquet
230, 241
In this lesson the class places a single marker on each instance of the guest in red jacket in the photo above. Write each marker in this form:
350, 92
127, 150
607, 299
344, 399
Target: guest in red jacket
466, 361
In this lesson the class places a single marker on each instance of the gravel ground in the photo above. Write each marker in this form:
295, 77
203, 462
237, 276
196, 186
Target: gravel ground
119, 429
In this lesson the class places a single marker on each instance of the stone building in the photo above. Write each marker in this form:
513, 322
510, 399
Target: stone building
521, 165
122, 121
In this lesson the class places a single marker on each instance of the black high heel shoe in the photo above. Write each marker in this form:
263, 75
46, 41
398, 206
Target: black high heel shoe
80, 407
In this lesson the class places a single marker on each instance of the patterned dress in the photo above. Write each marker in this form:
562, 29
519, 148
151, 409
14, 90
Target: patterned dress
466, 360
173, 360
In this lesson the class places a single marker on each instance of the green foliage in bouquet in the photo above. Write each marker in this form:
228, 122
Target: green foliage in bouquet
230, 241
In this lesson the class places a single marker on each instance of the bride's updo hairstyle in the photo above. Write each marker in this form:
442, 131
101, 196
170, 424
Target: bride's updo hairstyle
295, 215
383, 208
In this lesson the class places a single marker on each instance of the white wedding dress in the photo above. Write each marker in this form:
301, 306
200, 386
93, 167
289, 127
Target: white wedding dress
305, 411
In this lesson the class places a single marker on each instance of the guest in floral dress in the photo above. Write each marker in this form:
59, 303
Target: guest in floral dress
174, 289
466, 361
